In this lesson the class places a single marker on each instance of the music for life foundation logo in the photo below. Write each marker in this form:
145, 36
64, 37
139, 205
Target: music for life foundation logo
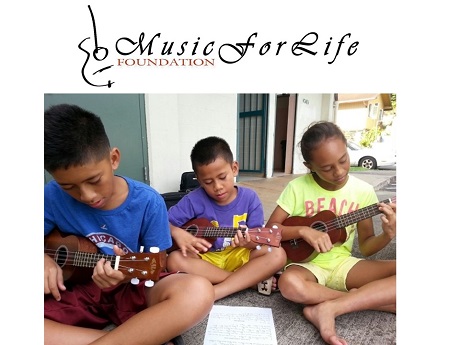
153, 51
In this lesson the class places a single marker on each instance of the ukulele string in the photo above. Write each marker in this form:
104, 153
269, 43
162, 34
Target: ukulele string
353, 217
73, 255
227, 232
77, 258
130, 269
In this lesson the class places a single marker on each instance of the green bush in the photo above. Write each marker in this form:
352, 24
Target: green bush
370, 136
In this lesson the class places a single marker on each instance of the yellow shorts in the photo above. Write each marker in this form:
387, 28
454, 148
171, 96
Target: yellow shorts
229, 259
332, 273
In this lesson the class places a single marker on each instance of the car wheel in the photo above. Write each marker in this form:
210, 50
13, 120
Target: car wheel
368, 163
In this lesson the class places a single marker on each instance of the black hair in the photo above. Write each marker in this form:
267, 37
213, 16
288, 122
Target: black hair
73, 136
315, 134
207, 150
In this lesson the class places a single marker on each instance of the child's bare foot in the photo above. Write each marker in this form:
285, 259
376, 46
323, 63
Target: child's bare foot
324, 320
275, 282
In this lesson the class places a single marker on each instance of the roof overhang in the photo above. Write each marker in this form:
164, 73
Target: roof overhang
364, 97
355, 97
386, 99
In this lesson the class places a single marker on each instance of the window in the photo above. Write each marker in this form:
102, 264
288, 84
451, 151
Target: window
373, 110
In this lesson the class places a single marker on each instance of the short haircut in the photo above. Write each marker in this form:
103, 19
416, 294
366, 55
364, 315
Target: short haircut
316, 133
73, 136
207, 150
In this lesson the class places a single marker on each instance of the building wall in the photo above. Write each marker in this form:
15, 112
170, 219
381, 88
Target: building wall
310, 108
175, 122
271, 128
354, 116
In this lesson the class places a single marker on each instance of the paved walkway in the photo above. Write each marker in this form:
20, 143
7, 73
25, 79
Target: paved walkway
269, 189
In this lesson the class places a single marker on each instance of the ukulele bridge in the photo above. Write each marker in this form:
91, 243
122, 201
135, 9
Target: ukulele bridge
294, 243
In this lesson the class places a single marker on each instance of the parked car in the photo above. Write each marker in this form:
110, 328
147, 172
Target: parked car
370, 158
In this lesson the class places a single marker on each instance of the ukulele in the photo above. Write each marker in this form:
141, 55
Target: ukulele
299, 250
201, 227
77, 256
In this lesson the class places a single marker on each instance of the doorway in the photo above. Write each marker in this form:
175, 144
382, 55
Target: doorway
284, 133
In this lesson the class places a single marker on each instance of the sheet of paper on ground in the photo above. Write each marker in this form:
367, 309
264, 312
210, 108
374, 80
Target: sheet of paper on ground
240, 325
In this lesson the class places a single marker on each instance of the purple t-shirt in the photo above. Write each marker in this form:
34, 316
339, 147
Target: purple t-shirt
246, 209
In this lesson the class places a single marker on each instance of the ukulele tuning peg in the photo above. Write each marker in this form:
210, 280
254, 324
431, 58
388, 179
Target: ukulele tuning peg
269, 249
149, 283
258, 247
134, 281
154, 250
141, 249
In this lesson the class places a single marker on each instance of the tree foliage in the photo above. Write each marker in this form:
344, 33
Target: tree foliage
393, 103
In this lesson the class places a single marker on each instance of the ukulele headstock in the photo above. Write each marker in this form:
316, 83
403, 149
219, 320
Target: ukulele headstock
143, 266
266, 236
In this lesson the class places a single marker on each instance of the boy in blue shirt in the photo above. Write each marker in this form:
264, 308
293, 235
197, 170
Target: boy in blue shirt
118, 215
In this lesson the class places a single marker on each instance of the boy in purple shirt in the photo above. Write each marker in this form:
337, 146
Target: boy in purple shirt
232, 263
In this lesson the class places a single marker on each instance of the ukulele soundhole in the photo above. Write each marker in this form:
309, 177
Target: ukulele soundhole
320, 226
193, 229
61, 256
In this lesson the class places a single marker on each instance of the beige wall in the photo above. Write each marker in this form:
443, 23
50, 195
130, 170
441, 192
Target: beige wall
175, 122
310, 108
353, 116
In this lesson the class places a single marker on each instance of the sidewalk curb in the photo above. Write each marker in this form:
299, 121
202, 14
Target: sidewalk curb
383, 184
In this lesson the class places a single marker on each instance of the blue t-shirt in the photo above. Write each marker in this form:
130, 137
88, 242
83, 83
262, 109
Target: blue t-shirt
141, 220
246, 209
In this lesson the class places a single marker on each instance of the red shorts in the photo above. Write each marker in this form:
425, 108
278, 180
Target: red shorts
86, 305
